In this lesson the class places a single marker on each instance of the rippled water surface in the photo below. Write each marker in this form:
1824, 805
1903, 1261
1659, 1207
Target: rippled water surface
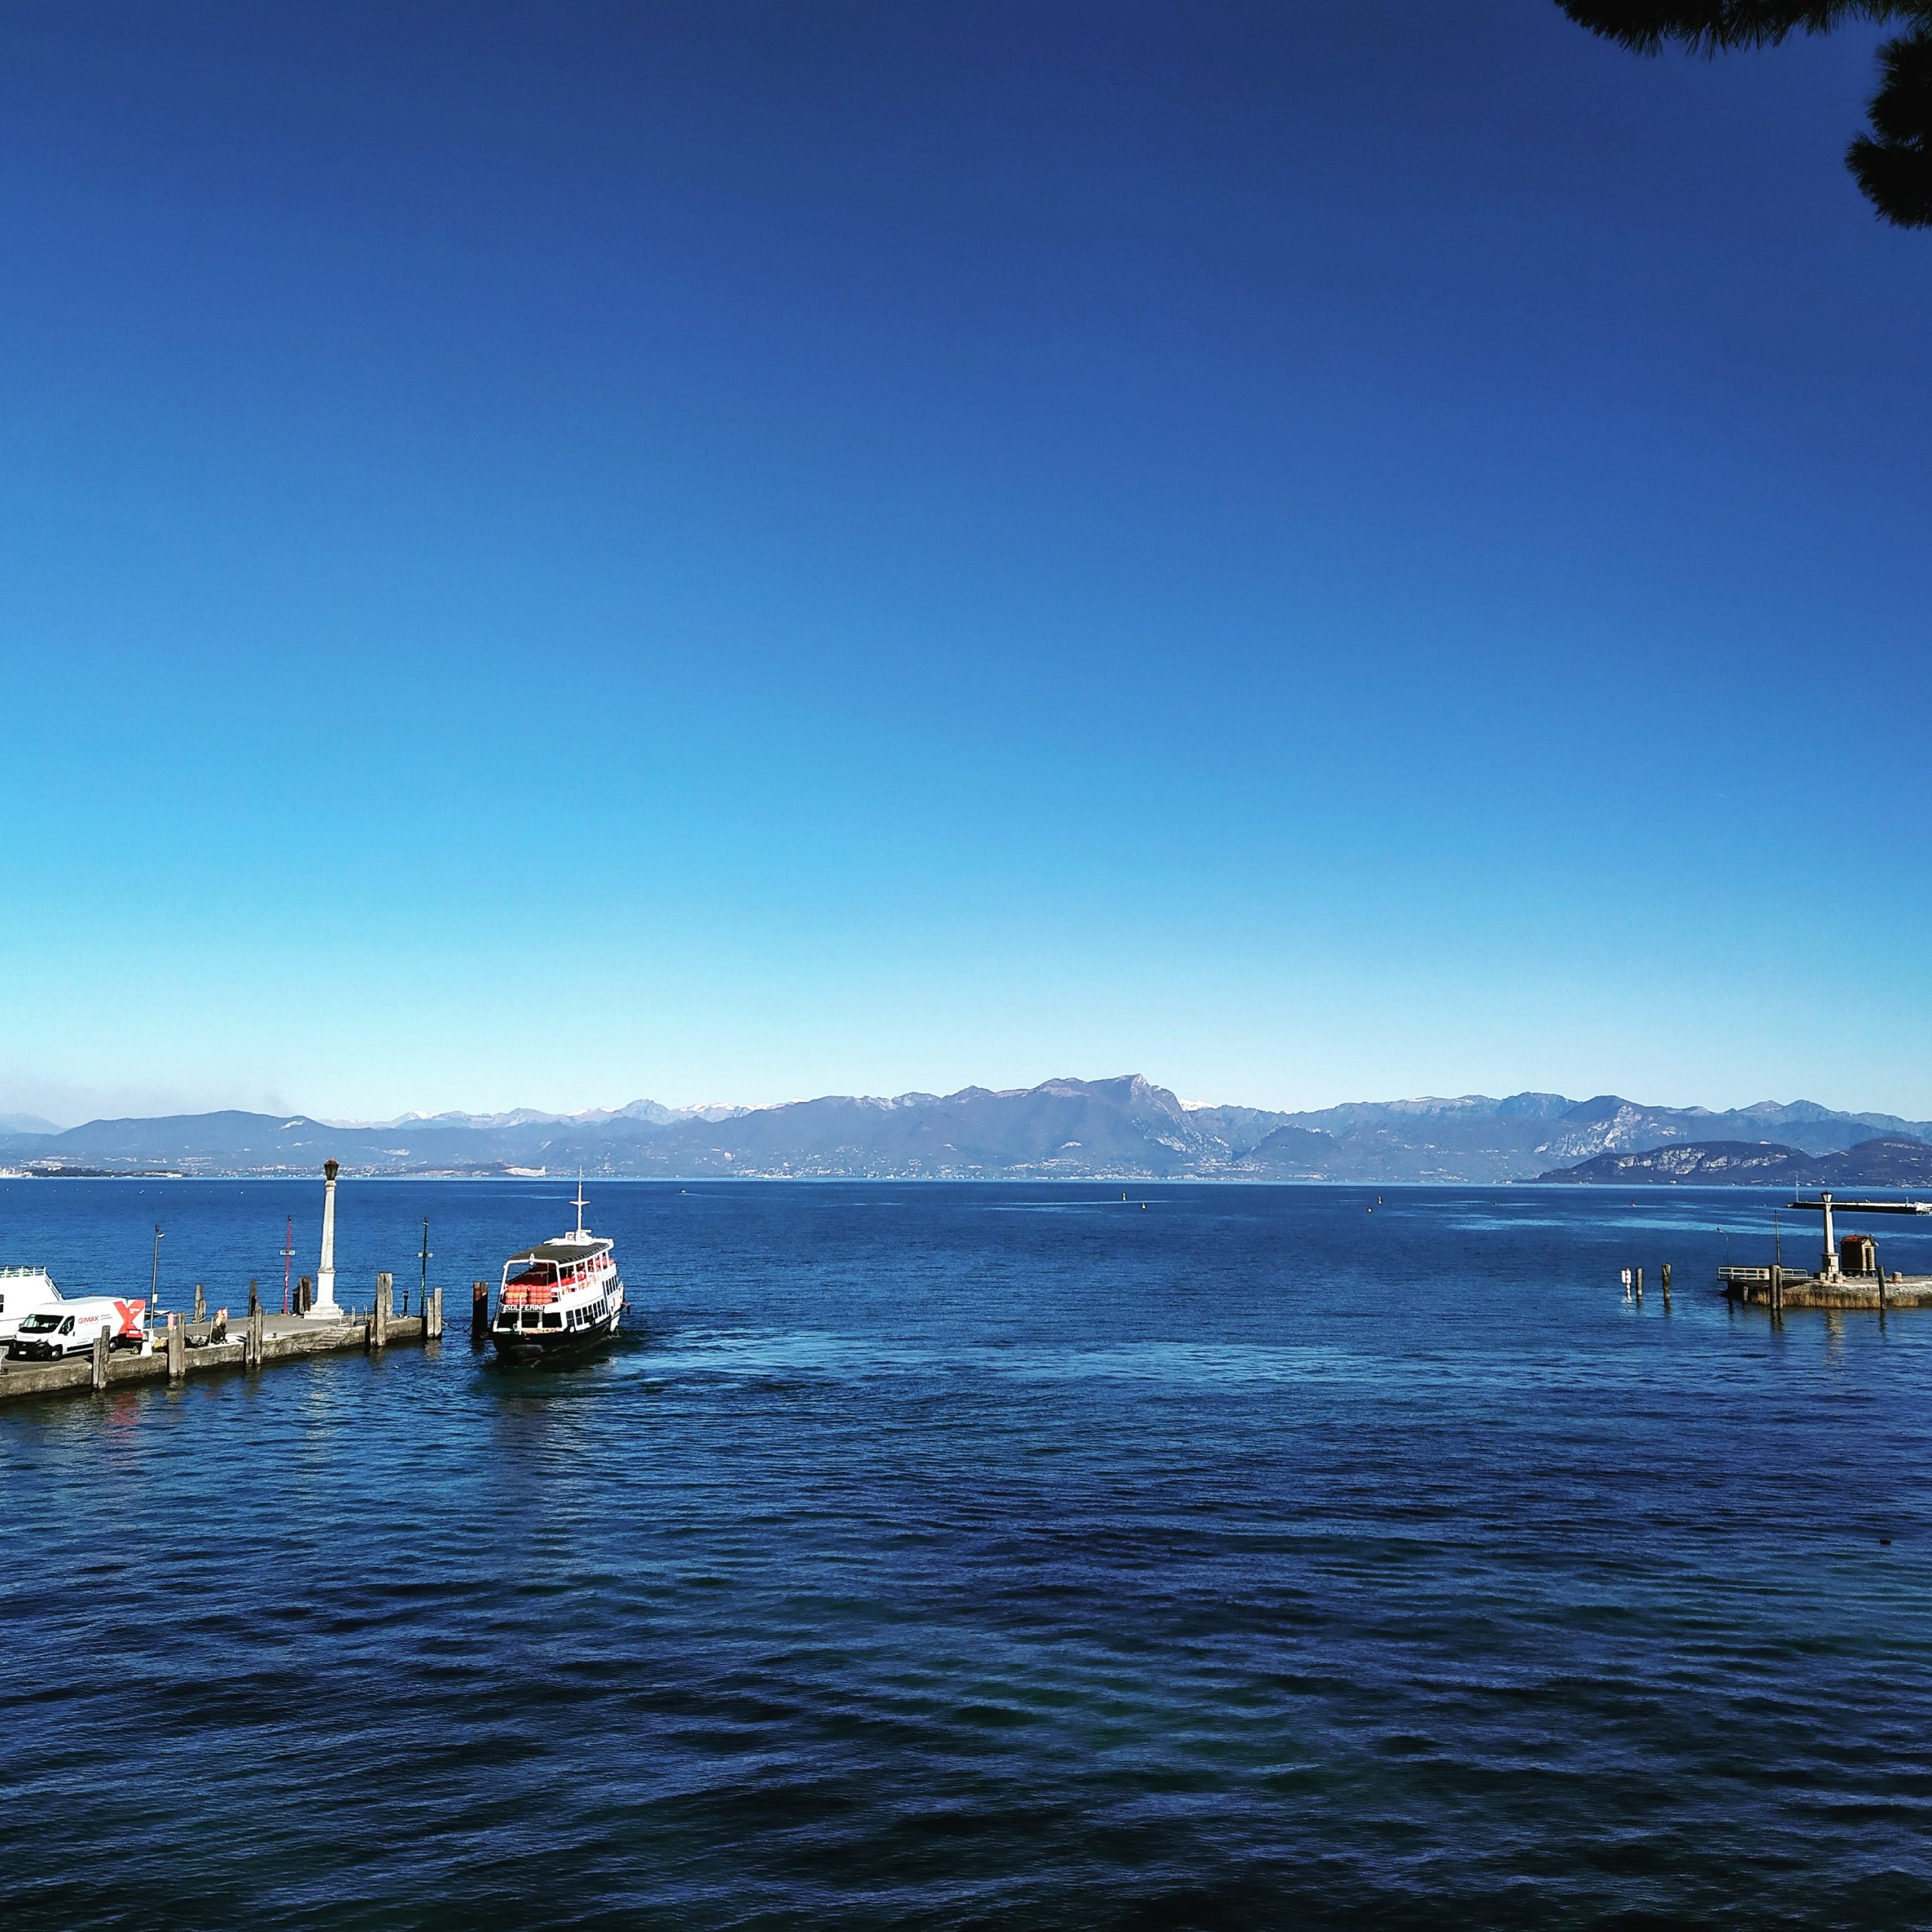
981, 1556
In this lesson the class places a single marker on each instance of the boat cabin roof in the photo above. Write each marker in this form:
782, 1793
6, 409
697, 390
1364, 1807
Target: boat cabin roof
562, 1252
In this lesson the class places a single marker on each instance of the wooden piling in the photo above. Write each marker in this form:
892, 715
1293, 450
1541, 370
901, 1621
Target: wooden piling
1636, 1275
254, 1298
479, 1312
100, 1346
177, 1349
432, 1316
379, 1318
201, 1304
1663, 1280
1777, 1289
252, 1337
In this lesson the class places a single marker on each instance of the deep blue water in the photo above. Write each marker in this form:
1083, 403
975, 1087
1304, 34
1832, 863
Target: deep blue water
974, 1555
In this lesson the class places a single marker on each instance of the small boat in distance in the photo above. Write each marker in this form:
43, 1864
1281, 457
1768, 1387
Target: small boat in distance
558, 1297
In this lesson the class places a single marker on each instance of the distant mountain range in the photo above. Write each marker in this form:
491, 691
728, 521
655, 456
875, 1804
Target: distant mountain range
1118, 1129
1888, 1162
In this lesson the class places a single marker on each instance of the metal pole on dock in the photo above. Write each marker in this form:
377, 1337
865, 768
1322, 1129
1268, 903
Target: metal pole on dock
426, 1257
154, 1273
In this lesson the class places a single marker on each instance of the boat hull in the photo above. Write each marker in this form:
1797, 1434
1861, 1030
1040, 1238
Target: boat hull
523, 1347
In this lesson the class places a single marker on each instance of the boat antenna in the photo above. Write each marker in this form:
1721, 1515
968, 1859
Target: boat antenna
580, 1204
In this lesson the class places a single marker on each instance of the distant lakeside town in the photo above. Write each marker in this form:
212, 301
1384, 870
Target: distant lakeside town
1121, 1129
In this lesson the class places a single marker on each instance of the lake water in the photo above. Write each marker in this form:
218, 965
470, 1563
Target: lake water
979, 1555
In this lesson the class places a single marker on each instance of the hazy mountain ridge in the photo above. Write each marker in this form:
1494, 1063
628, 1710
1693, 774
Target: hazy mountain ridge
1124, 1128
1891, 1161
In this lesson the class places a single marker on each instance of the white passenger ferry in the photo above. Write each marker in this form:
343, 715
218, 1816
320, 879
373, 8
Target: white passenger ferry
558, 1296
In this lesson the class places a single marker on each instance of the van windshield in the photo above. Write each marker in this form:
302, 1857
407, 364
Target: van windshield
39, 1325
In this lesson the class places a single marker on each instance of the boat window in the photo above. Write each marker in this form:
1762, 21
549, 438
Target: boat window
553, 1320
531, 1319
506, 1318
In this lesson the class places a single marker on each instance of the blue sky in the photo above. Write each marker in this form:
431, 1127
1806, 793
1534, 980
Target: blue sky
552, 553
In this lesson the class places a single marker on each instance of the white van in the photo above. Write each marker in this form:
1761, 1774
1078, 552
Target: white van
70, 1326
22, 1290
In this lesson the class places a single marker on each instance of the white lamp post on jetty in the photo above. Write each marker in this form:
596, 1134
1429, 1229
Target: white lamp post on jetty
325, 1308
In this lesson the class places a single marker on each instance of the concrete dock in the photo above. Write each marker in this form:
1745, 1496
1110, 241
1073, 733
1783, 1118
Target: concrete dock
258, 1341
1795, 1288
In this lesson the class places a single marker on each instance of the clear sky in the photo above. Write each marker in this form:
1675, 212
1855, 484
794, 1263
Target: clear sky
555, 552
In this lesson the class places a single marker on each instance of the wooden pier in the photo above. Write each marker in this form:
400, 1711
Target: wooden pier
260, 1340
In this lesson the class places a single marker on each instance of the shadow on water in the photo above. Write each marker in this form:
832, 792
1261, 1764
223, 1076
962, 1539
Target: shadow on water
555, 1370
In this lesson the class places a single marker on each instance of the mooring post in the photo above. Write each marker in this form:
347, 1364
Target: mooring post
177, 1347
479, 1312
251, 1353
385, 1293
1636, 1275
432, 1316
201, 1304
1663, 1280
254, 1298
100, 1357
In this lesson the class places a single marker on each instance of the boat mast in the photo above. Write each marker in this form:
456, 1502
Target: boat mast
580, 1204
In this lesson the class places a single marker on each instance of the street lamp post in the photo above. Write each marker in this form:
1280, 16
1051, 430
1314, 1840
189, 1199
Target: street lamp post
325, 1308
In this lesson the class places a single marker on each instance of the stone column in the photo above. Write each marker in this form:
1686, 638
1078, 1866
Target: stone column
324, 1309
